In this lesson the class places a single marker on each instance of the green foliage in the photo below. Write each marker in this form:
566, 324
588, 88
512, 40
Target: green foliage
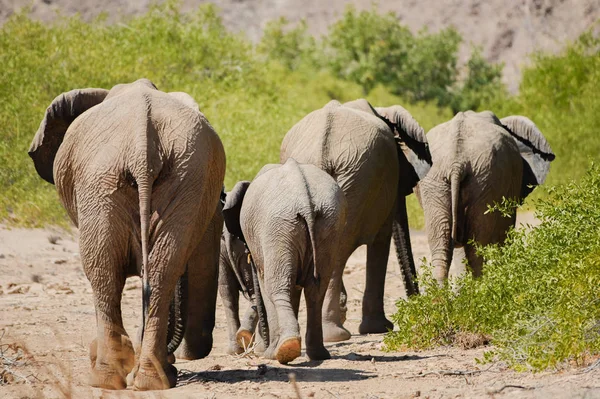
507, 207
369, 49
366, 47
538, 298
482, 85
292, 47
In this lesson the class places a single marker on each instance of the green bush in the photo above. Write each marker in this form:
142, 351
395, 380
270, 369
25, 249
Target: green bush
481, 85
370, 49
538, 297
373, 49
292, 47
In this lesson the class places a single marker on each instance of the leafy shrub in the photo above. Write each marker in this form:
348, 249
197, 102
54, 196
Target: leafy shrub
538, 297
292, 47
370, 49
482, 85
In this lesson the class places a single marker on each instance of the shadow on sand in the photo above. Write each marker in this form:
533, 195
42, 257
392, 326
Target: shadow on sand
270, 373
308, 371
382, 358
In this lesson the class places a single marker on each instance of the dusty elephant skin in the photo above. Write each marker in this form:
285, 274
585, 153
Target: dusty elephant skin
477, 160
376, 157
291, 217
139, 172
235, 276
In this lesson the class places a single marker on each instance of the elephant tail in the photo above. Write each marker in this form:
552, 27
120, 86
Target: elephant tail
144, 192
455, 178
309, 218
456, 173
145, 166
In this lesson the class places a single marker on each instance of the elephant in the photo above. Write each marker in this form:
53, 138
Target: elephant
478, 160
291, 218
377, 156
139, 172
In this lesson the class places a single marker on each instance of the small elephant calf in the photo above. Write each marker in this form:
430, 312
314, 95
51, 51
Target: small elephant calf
291, 218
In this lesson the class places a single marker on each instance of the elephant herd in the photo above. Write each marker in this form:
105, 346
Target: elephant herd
140, 173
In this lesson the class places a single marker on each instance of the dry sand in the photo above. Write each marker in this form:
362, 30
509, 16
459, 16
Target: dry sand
46, 306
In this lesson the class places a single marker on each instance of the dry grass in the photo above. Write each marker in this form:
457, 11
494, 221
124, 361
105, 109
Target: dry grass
15, 359
248, 348
468, 340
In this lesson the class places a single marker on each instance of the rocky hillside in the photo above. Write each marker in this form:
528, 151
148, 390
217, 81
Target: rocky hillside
506, 30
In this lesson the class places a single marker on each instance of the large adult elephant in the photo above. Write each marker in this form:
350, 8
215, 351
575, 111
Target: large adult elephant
139, 172
477, 160
376, 156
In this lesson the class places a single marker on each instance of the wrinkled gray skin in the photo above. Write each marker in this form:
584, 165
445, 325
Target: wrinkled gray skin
376, 157
139, 172
235, 276
292, 217
477, 160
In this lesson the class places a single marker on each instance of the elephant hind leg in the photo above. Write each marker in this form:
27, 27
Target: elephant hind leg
334, 305
104, 247
373, 315
278, 287
289, 348
245, 334
203, 275
167, 263
314, 295
485, 229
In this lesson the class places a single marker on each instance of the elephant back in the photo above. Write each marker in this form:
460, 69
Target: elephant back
335, 137
359, 151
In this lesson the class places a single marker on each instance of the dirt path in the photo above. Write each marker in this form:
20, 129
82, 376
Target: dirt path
46, 306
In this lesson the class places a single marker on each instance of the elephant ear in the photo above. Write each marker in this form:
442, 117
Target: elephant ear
60, 114
186, 99
535, 151
233, 207
412, 141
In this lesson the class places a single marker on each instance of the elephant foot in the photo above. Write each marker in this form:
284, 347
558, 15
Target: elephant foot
244, 338
234, 348
112, 371
335, 333
317, 353
375, 325
149, 379
288, 350
197, 348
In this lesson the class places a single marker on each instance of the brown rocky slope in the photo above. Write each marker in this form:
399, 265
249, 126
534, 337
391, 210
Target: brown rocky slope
507, 30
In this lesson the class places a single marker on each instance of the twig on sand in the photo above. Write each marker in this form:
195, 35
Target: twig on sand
13, 356
292, 377
248, 349
495, 391
443, 373
592, 366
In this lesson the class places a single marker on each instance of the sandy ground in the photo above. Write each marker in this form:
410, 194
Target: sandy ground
46, 307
